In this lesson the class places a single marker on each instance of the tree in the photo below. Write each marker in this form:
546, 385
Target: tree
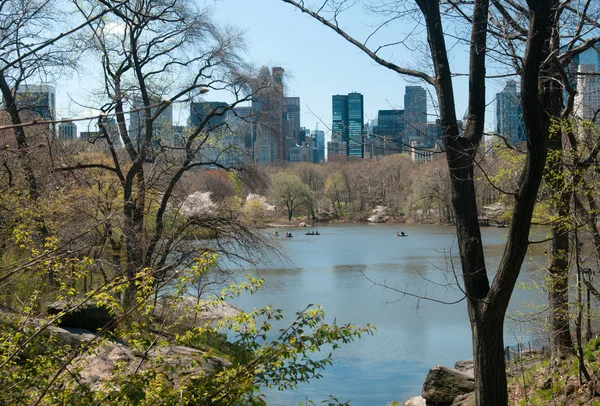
574, 30
487, 302
290, 190
335, 191
140, 49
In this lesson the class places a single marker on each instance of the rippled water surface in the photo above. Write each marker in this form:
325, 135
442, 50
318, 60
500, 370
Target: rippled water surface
336, 270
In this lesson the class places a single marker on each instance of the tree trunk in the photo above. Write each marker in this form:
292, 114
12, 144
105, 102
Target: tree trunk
490, 367
561, 343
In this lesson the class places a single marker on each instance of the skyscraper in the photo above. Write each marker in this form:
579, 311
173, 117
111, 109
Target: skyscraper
587, 100
201, 110
348, 122
390, 130
415, 113
67, 130
318, 145
267, 111
291, 116
509, 116
40, 99
162, 126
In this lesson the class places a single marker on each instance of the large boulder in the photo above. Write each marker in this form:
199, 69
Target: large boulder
416, 401
466, 366
189, 312
87, 316
98, 366
443, 385
465, 400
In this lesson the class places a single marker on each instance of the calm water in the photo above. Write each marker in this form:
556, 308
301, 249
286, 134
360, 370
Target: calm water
412, 335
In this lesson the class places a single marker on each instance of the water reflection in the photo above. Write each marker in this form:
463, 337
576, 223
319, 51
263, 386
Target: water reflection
338, 269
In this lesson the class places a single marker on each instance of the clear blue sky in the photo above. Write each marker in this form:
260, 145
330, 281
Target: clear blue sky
319, 63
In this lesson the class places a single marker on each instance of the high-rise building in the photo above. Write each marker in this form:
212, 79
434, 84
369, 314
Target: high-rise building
267, 111
199, 111
40, 99
433, 134
348, 122
390, 131
587, 100
339, 128
356, 123
67, 130
291, 117
162, 126
318, 137
415, 113
303, 135
509, 116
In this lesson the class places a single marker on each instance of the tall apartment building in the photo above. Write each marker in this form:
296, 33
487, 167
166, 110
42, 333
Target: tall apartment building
390, 132
67, 130
415, 113
348, 122
587, 100
509, 115
40, 99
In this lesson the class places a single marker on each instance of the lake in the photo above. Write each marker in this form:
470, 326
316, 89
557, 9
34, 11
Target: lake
333, 270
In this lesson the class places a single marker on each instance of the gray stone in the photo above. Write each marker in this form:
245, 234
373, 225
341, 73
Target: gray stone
465, 400
466, 366
443, 385
416, 401
189, 312
88, 316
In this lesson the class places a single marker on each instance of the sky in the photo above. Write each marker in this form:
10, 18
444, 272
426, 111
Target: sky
318, 62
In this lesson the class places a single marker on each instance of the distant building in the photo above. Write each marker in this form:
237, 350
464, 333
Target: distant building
67, 130
318, 137
162, 126
348, 122
415, 113
303, 135
433, 134
301, 153
587, 100
421, 153
199, 111
509, 115
88, 135
336, 148
268, 142
390, 132
40, 99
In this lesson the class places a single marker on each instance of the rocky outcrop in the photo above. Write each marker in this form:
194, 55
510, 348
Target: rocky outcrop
190, 312
443, 385
98, 366
88, 316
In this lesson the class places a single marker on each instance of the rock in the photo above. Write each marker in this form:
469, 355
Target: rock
88, 316
466, 366
96, 368
416, 401
190, 313
443, 385
465, 400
